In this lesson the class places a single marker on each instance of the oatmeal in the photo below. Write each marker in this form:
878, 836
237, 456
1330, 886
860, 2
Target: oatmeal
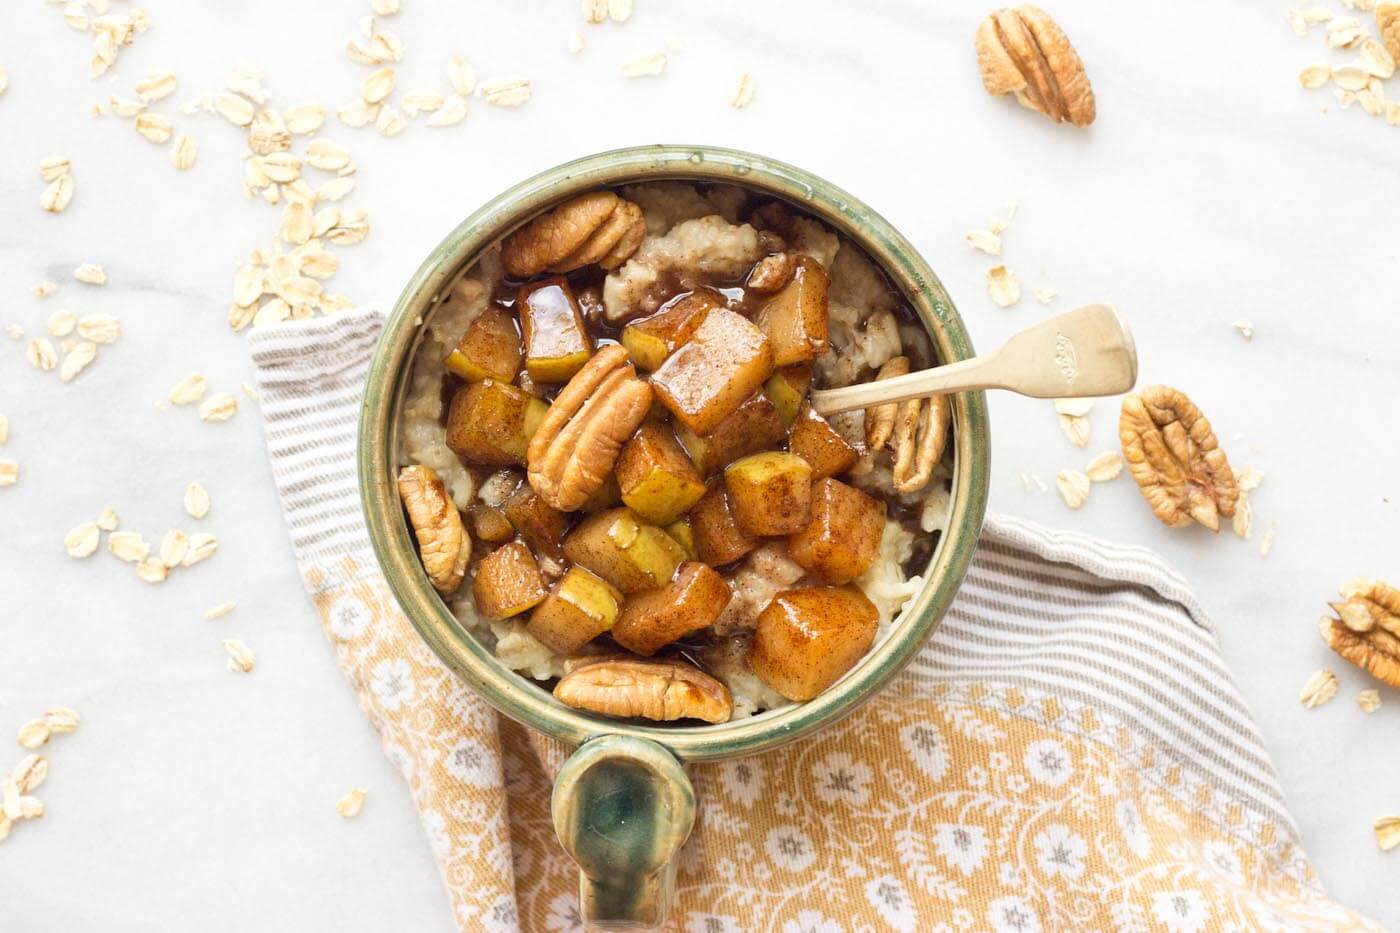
613, 471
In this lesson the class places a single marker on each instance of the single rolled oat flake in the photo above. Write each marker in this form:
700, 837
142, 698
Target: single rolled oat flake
58, 195
52, 168
33, 734
1073, 486
1369, 700
1315, 76
9, 799
1046, 294
173, 547
350, 805
645, 66
378, 84
99, 328
41, 354
202, 546
220, 407
1387, 830
1318, 689
128, 546
188, 390
1075, 429
9, 472
107, 519
30, 773
575, 45
219, 611
237, 110
1105, 466
61, 719
743, 92
984, 240
461, 75
452, 112
82, 541
196, 500
61, 323
4, 429
595, 11
155, 86
44, 289
619, 11
156, 127
305, 118
77, 360
240, 657
1003, 286
506, 92
152, 569
183, 152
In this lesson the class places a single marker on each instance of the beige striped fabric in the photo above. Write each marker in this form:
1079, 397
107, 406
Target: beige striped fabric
1068, 752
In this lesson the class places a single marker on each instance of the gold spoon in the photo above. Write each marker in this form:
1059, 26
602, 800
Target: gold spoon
1081, 353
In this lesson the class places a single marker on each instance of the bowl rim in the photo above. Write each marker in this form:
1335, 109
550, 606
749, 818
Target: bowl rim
511, 693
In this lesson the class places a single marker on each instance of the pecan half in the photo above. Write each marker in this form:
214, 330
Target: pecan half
1366, 631
921, 434
597, 227
443, 543
1023, 51
579, 439
879, 419
659, 690
1175, 459
1388, 22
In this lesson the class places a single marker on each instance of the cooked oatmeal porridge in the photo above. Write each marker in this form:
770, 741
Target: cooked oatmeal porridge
613, 473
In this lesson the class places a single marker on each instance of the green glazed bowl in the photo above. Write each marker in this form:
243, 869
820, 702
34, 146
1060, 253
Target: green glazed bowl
649, 814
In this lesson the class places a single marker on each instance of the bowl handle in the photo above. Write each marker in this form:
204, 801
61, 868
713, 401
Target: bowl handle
623, 807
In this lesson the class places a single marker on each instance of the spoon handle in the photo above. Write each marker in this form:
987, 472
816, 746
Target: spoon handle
1085, 352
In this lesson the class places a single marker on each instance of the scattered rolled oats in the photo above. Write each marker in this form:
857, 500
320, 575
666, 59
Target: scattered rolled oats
196, 500
219, 611
152, 570
984, 240
506, 92
1104, 467
41, 354
9, 472
378, 84
33, 734
743, 92
452, 111
99, 328
58, 195
220, 407
77, 360
90, 274
182, 154
1387, 830
1004, 286
645, 66
349, 805
1073, 486
82, 541
61, 323
461, 75
188, 390
128, 546
1369, 700
173, 547
201, 547
107, 519
240, 658
1319, 688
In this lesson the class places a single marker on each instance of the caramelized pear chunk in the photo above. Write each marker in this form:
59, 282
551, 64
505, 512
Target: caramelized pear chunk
753, 427
787, 387
813, 439
654, 618
680, 533
490, 423
622, 549
490, 525
656, 478
556, 343
843, 538
490, 349
709, 376
795, 319
652, 339
579, 608
508, 582
539, 523
770, 493
718, 537
808, 637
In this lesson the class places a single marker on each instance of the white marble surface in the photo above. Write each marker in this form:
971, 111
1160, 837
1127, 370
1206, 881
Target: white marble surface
1211, 189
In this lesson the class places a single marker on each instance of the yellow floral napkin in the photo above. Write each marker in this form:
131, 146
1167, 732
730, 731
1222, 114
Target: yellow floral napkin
1068, 752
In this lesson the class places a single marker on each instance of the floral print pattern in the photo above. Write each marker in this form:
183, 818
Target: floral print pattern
941, 804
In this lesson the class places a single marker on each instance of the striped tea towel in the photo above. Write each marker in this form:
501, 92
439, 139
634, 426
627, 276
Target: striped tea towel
1068, 752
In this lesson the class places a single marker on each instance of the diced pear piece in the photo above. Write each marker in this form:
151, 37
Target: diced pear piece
795, 319
843, 538
680, 533
508, 582
787, 387
652, 339
539, 523
770, 493
808, 637
579, 608
655, 618
490, 423
622, 549
490, 525
556, 342
754, 426
657, 479
718, 538
813, 439
710, 375
490, 349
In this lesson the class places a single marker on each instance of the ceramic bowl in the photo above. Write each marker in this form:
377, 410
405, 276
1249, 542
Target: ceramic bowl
622, 803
